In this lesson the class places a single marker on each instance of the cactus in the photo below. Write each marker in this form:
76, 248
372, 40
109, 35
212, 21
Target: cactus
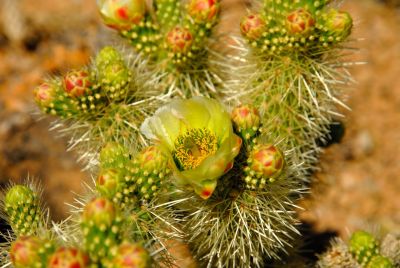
171, 162
363, 250
23, 209
363, 246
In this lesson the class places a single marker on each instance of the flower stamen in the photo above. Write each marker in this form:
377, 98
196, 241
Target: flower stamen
193, 146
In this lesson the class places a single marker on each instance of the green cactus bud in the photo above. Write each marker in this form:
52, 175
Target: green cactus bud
150, 167
338, 24
203, 11
101, 226
363, 247
23, 252
267, 161
179, 40
113, 155
107, 183
252, 26
246, 120
379, 261
130, 255
100, 211
300, 21
107, 55
68, 257
76, 83
121, 14
23, 209
114, 79
30, 251
44, 94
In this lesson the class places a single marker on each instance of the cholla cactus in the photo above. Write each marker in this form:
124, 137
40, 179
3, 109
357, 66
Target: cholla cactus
175, 37
363, 250
227, 183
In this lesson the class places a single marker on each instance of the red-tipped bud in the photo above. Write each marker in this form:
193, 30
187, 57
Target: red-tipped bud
44, 94
107, 182
252, 26
24, 252
152, 158
300, 21
179, 40
76, 83
203, 10
131, 256
99, 211
339, 23
246, 120
68, 257
121, 14
267, 161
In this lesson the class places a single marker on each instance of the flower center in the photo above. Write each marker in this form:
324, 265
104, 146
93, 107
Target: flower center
192, 147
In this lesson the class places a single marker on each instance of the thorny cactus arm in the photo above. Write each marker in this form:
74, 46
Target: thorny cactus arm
363, 250
226, 183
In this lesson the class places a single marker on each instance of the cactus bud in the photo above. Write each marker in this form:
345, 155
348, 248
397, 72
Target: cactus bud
24, 251
363, 247
76, 83
267, 161
131, 256
107, 182
44, 94
339, 24
380, 261
246, 120
113, 155
100, 211
151, 166
106, 56
22, 207
121, 14
179, 40
68, 257
152, 158
203, 10
252, 26
299, 21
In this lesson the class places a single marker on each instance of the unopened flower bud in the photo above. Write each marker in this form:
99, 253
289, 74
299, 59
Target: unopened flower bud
246, 120
252, 26
44, 94
121, 14
131, 256
203, 10
179, 40
107, 182
76, 83
339, 23
106, 56
24, 252
99, 211
300, 21
68, 257
267, 161
152, 158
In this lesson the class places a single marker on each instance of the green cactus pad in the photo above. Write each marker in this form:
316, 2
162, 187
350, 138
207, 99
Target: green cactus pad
23, 210
363, 246
30, 251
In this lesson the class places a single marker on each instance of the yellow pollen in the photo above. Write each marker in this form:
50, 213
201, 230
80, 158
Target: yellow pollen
192, 147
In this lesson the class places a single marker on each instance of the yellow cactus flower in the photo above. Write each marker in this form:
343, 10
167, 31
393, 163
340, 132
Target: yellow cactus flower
199, 136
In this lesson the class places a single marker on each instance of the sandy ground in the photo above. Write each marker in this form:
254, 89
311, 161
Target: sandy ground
358, 185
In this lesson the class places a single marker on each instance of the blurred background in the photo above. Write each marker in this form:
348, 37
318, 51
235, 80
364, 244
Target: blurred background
358, 184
